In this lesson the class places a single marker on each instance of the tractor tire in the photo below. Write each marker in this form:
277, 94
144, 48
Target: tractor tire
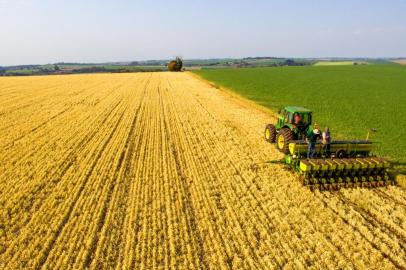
284, 137
270, 133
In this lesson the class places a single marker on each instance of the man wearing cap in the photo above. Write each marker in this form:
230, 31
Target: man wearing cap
312, 140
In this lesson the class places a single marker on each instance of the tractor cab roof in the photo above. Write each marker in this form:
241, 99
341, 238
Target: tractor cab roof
293, 109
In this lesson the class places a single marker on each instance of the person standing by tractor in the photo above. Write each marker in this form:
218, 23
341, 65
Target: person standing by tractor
312, 140
326, 140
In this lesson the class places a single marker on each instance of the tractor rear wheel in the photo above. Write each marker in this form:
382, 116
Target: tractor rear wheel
270, 133
284, 137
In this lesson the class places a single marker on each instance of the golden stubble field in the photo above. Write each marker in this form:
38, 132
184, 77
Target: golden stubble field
161, 170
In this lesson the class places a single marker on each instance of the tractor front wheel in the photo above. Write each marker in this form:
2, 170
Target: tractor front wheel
270, 133
284, 137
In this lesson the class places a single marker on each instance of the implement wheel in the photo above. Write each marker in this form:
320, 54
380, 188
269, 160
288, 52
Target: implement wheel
341, 153
282, 140
270, 133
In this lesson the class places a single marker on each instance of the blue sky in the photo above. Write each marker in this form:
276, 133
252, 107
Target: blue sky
45, 31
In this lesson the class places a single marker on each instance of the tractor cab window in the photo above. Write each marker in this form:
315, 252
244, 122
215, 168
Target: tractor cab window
301, 119
306, 118
286, 115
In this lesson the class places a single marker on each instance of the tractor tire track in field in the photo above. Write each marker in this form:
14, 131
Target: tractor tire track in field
372, 224
376, 222
190, 208
162, 170
77, 195
53, 178
398, 201
122, 163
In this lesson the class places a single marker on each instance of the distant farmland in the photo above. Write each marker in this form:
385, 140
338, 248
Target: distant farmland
337, 63
349, 99
400, 61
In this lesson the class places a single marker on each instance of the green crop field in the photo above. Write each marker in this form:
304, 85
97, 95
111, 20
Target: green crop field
348, 99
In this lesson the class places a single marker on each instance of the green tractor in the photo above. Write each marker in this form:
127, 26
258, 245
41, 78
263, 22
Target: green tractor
294, 123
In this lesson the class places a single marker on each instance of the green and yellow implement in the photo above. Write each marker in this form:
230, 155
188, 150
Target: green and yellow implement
342, 164
338, 149
335, 173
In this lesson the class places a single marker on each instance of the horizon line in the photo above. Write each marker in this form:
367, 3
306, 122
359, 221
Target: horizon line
211, 58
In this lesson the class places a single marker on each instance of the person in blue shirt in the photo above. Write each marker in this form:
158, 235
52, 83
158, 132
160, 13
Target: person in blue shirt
312, 140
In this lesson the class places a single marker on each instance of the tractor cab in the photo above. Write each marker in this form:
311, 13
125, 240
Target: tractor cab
297, 119
293, 123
